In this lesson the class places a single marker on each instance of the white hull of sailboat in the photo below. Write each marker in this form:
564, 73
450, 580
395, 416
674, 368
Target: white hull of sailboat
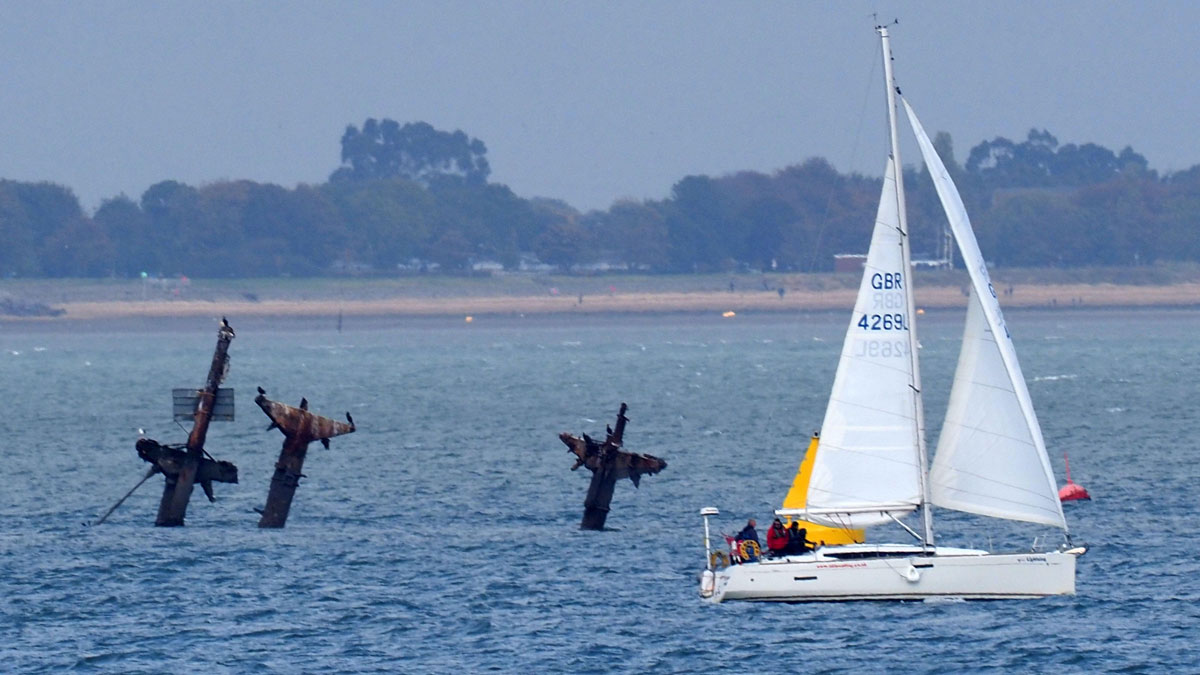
883, 572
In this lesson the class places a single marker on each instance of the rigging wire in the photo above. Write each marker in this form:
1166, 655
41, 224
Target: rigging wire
854, 152
153, 470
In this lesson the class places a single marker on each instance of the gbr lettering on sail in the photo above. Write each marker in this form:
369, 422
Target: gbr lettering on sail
887, 308
886, 314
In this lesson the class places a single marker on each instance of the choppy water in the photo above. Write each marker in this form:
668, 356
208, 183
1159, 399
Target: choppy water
443, 534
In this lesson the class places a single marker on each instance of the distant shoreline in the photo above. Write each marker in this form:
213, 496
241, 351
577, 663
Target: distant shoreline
463, 304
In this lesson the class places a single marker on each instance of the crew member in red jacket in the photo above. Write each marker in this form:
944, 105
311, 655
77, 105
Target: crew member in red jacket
777, 539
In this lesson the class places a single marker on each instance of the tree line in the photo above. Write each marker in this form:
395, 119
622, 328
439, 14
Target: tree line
410, 198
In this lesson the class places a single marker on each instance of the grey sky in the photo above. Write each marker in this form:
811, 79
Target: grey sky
584, 101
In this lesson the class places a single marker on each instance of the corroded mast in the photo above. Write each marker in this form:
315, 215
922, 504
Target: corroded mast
608, 463
178, 488
299, 427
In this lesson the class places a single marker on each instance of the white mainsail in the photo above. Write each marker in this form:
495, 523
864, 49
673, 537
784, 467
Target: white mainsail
991, 458
867, 465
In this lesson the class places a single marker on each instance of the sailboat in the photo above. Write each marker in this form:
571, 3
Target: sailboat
868, 466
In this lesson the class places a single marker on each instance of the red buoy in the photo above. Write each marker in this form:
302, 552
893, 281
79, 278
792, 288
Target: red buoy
1072, 491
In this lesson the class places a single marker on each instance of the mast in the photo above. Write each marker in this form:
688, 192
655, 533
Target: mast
173, 507
910, 302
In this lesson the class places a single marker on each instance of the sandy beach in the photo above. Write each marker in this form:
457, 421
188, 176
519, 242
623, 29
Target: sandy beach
477, 302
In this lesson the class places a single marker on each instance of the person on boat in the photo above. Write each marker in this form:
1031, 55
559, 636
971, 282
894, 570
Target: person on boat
798, 540
777, 539
748, 534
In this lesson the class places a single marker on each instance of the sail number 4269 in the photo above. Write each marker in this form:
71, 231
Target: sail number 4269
882, 322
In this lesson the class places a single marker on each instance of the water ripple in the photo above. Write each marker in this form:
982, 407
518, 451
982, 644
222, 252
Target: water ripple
443, 535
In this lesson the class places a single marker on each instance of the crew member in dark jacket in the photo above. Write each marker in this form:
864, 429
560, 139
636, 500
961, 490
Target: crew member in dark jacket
798, 540
748, 533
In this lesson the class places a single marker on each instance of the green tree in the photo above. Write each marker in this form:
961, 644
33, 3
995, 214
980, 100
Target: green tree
491, 216
269, 240
316, 232
452, 251
171, 207
51, 233
18, 254
766, 222
216, 236
415, 151
636, 232
1180, 209
1125, 222
545, 213
697, 227
389, 221
1039, 162
1001, 163
834, 214
135, 249
80, 248
1035, 228
564, 244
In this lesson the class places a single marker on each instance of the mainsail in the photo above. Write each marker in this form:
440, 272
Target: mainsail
868, 466
991, 457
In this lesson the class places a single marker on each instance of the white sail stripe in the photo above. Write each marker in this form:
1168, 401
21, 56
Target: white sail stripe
876, 457
1005, 387
881, 366
980, 384
863, 406
848, 499
1008, 500
857, 519
1021, 507
850, 509
986, 432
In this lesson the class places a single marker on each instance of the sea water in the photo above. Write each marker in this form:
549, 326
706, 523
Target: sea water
443, 534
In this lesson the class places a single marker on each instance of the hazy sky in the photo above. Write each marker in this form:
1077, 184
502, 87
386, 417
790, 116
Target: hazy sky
584, 101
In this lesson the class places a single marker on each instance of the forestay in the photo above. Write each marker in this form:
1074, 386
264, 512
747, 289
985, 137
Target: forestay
991, 457
867, 464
